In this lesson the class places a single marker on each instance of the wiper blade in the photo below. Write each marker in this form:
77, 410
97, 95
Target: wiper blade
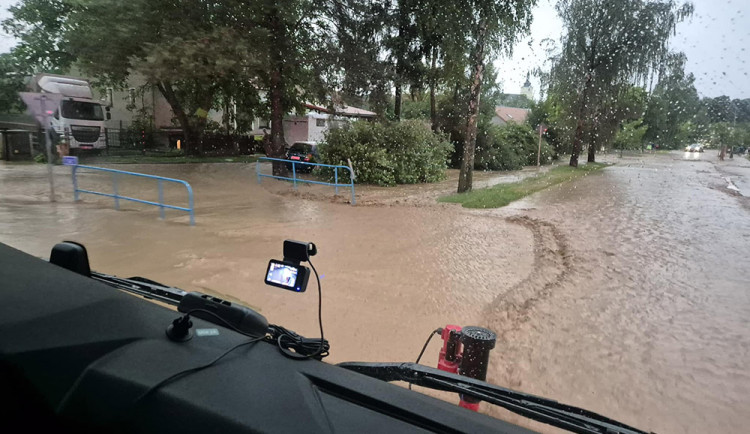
544, 410
143, 287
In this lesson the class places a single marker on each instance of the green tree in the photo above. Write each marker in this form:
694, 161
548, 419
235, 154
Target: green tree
184, 48
673, 102
202, 55
12, 75
452, 114
40, 26
488, 27
718, 109
608, 45
631, 135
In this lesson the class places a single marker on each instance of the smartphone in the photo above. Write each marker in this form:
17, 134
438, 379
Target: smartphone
287, 275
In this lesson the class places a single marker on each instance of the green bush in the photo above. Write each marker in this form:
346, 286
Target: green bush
509, 147
40, 158
406, 152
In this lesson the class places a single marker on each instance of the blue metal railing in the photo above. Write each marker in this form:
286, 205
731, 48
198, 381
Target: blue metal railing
117, 196
295, 179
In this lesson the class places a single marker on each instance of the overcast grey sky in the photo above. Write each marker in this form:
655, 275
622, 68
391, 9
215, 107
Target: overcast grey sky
715, 41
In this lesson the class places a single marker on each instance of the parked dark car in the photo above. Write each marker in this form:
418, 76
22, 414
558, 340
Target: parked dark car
304, 152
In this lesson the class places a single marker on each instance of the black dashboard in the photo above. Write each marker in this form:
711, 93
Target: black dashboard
76, 354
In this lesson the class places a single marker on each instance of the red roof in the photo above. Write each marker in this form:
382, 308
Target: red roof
512, 114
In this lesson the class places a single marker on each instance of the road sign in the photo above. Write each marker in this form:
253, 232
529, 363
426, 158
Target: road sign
70, 161
41, 105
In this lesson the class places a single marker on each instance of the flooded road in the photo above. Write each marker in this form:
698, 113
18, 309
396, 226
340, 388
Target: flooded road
626, 292
648, 320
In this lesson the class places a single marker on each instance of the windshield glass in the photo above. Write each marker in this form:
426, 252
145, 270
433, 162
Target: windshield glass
572, 175
82, 110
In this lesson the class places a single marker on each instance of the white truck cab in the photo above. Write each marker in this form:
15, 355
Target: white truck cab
79, 119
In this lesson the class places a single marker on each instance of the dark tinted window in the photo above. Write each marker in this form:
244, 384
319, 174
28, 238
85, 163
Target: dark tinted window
82, 110
301, 148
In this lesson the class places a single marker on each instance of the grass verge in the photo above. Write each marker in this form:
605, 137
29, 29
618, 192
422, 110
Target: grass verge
502, 194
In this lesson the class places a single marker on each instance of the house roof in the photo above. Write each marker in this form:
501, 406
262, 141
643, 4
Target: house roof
11, 121
512, 114
344, 111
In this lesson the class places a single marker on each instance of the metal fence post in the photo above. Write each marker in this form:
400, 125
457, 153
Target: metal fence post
75, 183
161, 199
295, 180
190, 204
106, 141
117, 194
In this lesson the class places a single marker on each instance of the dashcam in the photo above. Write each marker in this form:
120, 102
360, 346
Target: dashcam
287, 275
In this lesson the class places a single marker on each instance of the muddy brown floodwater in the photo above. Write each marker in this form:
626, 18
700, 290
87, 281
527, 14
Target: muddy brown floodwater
625, 292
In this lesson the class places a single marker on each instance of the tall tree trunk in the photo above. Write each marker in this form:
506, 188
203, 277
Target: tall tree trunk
192, 132
594, 141
465, 177
275, 147
578, 138
433, 84
397, 102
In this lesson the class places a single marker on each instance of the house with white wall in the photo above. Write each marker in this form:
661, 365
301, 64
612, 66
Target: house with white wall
312, 126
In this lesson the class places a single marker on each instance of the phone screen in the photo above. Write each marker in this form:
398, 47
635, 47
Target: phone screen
281, 274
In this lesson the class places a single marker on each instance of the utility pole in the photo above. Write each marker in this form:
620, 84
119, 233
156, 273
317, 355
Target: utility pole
48, 145
539, 151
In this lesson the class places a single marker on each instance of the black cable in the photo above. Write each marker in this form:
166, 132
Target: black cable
188, 371
437, 331
288, 340
191, 370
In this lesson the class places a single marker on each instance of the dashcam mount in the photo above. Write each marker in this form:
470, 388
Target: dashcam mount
298, 251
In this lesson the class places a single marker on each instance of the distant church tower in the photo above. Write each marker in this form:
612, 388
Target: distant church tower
527, 90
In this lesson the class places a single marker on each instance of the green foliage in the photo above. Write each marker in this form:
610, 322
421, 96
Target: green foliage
39, 25
609, 46
725, 134
404, 152
11, 82
673, 102
417, 108
510, 147
548, 112
452, 113
40, 158
631, 135
502, 194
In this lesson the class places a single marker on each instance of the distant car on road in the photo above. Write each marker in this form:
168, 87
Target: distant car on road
694, 148
303, 152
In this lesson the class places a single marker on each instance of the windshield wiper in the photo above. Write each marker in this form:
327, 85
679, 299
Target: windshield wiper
544, 410
143, 287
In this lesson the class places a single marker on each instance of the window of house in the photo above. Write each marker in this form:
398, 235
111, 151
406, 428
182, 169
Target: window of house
320, 122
